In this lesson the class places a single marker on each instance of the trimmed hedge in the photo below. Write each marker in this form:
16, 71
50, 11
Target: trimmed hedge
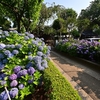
59, 86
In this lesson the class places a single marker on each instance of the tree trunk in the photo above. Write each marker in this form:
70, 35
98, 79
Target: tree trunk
18, 23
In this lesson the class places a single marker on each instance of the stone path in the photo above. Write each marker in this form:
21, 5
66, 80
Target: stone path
83, 78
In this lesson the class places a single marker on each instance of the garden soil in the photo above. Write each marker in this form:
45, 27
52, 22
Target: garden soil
83, 78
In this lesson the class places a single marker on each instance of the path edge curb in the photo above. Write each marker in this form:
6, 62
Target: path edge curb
81, 92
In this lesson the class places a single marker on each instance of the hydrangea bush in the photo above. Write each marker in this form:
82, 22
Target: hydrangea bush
22, 61
82, 48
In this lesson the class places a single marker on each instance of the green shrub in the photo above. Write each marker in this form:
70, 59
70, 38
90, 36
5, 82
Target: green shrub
61, 88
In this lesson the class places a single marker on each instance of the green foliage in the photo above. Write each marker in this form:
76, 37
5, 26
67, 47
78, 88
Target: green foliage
75, 33
83, 49
25, 12
24, 52
60, 87
57, 24
91, 15
66, 13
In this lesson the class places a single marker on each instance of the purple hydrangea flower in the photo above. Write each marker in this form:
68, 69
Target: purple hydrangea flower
15, 52
13, 92
24, 72
31, 70
13, 83
13, 77
17, 69
21, 86
19, 74
3, 96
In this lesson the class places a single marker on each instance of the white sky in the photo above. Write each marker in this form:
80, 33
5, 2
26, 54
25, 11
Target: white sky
76, 5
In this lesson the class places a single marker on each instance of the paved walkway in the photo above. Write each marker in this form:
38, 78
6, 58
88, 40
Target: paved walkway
85, 80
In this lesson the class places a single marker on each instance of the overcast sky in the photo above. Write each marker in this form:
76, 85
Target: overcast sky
76, 5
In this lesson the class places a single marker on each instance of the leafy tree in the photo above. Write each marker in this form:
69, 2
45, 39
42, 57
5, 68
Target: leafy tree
57, 24
4, 23
82, 24
90, 16
66, 13
48, 30
25, 11
75, 33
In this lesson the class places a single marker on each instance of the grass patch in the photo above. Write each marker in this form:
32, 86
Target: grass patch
59, 86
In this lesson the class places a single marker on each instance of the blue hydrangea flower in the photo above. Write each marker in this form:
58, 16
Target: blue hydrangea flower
8, 46
3, 96
1, 55
13, 92
2, 76
21, 86
49, 47
1, 66
44, 64
6, 33
31, 70
3, 82
15, 31
39, 53
14, 83
2, 46
7, 52
10, 55
26, 38
18, 46
30, 58
17, 69
5, 61
29, 65
30, 81
35, 42
13, 77
40, 48
15, 52
39, 67
30, 35
12, 46
37, 59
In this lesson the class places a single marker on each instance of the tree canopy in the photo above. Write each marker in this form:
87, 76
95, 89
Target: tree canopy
22, 11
